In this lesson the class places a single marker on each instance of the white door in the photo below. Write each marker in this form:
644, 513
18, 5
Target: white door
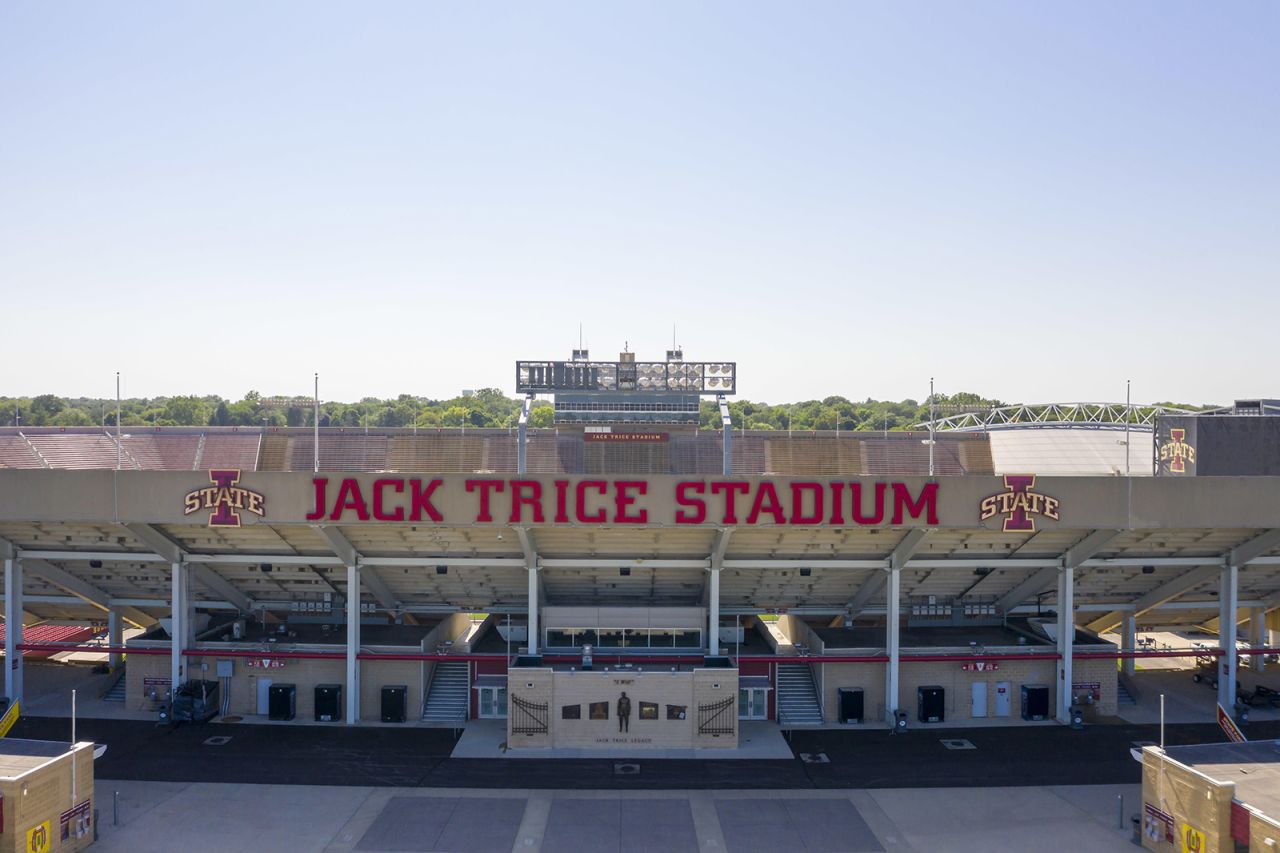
979, 699
264, 696
1003, 697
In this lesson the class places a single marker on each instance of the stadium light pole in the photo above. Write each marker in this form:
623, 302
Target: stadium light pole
931, 426
316, 425
1127, 415
118, 445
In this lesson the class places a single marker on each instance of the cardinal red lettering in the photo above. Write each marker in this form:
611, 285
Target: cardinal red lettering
485, 487
699, 513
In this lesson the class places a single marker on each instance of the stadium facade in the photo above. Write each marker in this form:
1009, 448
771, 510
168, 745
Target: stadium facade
625, 578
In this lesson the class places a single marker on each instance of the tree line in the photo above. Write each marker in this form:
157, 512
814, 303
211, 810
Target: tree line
488, 407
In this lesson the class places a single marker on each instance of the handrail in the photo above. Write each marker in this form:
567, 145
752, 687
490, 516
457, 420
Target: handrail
480, 656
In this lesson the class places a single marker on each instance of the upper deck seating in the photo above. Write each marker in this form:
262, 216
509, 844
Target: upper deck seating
236, 451
16, 453
341, 452
78, 450
162, 452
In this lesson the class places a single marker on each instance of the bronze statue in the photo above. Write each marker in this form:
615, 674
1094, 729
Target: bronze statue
624, 713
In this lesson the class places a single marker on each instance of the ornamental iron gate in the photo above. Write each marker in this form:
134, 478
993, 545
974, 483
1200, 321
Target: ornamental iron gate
716, 718
528, 718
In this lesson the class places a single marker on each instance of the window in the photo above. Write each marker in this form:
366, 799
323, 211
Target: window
661, 639
609, 638
688, 639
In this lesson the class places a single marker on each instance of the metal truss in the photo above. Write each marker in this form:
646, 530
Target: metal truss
1043, 415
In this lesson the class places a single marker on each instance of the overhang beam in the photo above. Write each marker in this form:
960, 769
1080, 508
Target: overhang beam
1247, 552
172, 552
899, 557
1168, 591
1044, 578
369, 577
85, 591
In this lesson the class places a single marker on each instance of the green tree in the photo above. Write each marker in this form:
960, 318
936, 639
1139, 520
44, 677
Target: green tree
44, 409
185, 411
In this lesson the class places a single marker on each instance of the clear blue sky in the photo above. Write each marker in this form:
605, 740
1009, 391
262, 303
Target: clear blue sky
1034, 201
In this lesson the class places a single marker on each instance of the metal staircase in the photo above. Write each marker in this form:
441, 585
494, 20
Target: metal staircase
116, 693
447, 697
798, 703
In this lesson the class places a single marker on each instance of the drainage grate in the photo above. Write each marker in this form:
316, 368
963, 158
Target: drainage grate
625, 769
957, 743
814, 758
218, 740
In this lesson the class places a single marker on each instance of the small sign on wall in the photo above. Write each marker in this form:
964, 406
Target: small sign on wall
1092, 689
265, 663
1156, 825
980, 666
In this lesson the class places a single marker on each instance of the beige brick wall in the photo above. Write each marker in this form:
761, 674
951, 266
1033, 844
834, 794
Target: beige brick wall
1193, 801
140, 668
581, 689
374, 675
536, 686
709, 686
868, 676
306, 674
1261, 830
48, 795
1104, 672
957, 683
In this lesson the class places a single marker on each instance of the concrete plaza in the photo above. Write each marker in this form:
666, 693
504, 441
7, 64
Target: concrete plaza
167, 816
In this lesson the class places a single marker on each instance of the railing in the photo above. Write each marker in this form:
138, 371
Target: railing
717, 718
528, 718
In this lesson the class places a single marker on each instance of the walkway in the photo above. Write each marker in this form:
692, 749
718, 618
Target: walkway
161, 817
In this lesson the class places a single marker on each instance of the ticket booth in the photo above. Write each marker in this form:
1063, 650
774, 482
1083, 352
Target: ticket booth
47, 791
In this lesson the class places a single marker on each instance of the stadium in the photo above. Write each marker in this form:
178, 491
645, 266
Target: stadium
988, 567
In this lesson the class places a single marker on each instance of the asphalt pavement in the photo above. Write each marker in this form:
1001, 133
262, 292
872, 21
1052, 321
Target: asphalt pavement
419, 757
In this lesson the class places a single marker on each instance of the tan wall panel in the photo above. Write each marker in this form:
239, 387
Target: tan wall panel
1084, 502
581, 689
1192, 800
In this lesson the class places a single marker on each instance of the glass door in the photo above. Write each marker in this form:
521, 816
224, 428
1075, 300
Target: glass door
493, 703
753, 703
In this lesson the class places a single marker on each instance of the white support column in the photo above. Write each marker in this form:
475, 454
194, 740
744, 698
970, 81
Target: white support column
533, 606
892, 641
1227, 630
178, 629
1066, 640
1257, 637
353, 645
713, 612
115, 637
12, 628
1129, 641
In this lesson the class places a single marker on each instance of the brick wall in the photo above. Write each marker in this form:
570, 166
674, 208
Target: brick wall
671, 695
305, 674
1191, 799
957, 683
48, 795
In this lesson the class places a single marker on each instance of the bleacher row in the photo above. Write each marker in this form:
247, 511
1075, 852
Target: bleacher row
464, 451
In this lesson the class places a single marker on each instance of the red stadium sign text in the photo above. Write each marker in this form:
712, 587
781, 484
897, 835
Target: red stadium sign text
610, 501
